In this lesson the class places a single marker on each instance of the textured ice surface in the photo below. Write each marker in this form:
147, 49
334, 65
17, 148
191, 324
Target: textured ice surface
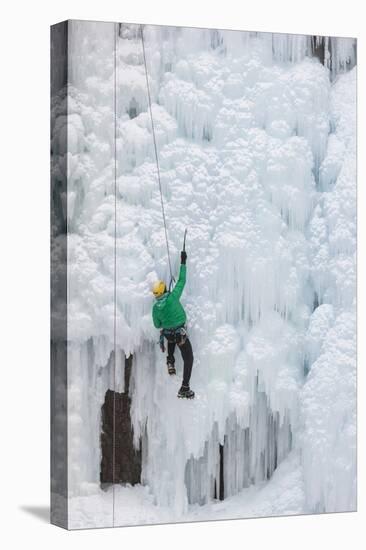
282, 495
257, 153
328, 397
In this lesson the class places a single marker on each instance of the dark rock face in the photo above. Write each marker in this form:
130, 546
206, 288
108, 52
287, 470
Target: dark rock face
326, 50
318, 48
121, 462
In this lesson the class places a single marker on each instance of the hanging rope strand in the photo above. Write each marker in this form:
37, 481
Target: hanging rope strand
156, 157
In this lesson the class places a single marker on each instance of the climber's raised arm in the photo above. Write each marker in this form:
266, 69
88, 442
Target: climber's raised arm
178, 289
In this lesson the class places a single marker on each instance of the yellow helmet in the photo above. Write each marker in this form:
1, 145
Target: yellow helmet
159, 288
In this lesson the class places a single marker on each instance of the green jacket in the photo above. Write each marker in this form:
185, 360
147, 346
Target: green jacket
168, 312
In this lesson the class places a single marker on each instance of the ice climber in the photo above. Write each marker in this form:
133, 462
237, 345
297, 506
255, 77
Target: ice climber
169, 316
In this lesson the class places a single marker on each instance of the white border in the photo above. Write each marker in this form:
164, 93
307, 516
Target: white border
24, 218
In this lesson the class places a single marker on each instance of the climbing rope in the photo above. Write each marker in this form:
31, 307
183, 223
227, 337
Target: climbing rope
156, 158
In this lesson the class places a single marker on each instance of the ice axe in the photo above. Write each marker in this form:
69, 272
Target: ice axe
184, 240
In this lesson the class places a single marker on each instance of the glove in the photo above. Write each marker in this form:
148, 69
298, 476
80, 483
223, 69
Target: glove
183, 257
161, 342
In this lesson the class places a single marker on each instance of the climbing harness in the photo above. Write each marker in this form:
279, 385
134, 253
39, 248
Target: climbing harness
156, 158
176, 335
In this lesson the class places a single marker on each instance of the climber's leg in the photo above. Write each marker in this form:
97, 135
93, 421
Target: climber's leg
170, 358
187, 355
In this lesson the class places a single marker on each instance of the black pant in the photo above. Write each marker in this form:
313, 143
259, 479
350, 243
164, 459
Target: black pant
187, 355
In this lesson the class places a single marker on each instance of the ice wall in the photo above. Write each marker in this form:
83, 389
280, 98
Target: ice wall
328, 398
250, 164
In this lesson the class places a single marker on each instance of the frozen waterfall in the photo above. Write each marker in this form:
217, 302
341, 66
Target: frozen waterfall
256, 143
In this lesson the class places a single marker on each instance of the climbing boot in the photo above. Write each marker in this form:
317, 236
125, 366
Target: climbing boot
186, 392
171, 368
